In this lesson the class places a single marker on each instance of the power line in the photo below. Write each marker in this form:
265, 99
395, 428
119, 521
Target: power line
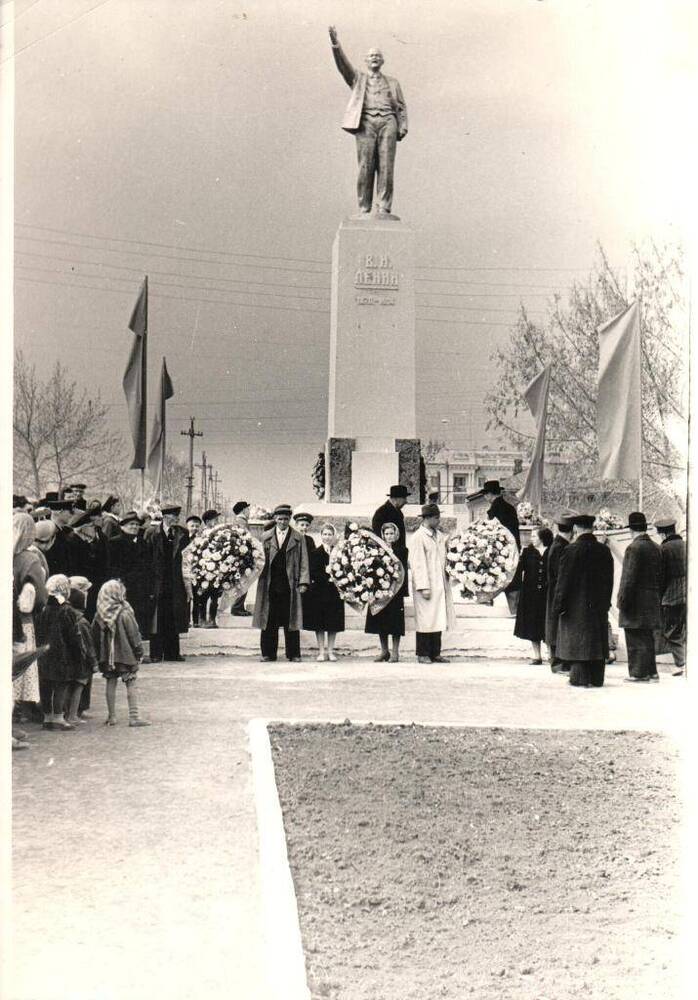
166, 256
172, 246
169, 274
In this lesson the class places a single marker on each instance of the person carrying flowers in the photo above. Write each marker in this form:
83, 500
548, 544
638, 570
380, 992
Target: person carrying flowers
390, 621
433, 602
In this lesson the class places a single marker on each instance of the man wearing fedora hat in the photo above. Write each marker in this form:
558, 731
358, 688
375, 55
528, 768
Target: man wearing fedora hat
170, 610
390, 512
673, 610
433, 601
581, 603
283, 581
560, 542
639, 600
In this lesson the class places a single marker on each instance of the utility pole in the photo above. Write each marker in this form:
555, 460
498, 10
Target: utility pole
211, 497
204, 482
191, 434
216, 491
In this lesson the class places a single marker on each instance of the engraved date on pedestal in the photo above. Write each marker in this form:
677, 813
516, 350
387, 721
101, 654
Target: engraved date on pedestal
374, 300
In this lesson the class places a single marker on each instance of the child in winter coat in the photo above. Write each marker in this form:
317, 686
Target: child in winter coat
61, 666
118, 645
79, 587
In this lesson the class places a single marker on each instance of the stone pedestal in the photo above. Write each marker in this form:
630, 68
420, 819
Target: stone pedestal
371, 420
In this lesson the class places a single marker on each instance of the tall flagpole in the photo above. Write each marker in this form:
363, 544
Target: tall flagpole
639, 334
145, 389
164, 430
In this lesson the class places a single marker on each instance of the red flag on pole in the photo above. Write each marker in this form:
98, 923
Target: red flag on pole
536, 396
158, 437
136, 376
619, 399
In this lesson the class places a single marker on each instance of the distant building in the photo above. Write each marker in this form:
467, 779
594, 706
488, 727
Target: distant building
454, 474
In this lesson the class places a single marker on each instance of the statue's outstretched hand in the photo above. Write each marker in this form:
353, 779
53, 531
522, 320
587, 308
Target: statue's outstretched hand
333, 34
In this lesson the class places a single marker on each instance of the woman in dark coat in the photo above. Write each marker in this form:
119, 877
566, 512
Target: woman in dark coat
530, 614
323, 608
390, 622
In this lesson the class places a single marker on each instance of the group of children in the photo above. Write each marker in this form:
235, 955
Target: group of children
49, 616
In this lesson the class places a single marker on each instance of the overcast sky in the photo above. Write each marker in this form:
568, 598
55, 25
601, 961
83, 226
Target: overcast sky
199, 141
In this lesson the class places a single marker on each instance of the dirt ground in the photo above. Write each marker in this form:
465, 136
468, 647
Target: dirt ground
502, 864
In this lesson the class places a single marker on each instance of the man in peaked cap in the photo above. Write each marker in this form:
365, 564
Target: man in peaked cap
560, 542
673, 607
390, 512
283, 581
639, 600
193, 525
582, 599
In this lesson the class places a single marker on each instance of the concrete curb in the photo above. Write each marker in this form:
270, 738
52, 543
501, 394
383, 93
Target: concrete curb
286, 959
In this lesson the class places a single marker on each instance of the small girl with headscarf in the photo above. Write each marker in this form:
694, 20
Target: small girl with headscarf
62, 665
79, 587
119, 650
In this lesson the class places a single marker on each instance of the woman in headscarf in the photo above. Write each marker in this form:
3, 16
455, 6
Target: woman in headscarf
119, 649
390, 622
29, 586
62, 665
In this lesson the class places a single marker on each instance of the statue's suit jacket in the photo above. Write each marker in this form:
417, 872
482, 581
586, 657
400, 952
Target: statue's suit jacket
357, 81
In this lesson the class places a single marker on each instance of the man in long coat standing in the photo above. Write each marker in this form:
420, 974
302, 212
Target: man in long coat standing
129, 561
560, 542
673, 551
433, 601
639, 597
390, 512
285, 577
170, 611
582, 600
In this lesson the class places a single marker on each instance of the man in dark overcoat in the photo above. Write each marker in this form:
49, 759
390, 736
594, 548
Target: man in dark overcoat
129, 561
283, 581
560, 542
639, 600
504, 512
390, 512
581, 603
60, 555
170, 610
673, 610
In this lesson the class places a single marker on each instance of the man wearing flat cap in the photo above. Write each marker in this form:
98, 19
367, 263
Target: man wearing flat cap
433, 601
170, 609
639, 600
560, 542
581, 603
208, 599
673, 609
129, 561
390, 512
283, 581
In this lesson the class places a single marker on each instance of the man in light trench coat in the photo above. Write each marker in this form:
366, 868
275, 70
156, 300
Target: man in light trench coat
433, 601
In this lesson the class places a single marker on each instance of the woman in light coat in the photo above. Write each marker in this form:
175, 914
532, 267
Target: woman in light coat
433, 602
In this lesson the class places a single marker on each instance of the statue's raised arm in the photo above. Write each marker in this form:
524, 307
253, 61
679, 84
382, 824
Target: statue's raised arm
343, 64
377, 115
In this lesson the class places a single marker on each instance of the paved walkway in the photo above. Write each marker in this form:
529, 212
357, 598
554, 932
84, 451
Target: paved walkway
136, 850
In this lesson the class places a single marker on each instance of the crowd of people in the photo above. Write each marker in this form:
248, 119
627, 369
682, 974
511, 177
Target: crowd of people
92, 585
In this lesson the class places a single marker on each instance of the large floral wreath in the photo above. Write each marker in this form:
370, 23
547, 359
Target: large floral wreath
227, 559
365, 570
606, 521
482, 559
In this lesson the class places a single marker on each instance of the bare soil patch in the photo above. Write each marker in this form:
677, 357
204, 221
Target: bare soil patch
444, 863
